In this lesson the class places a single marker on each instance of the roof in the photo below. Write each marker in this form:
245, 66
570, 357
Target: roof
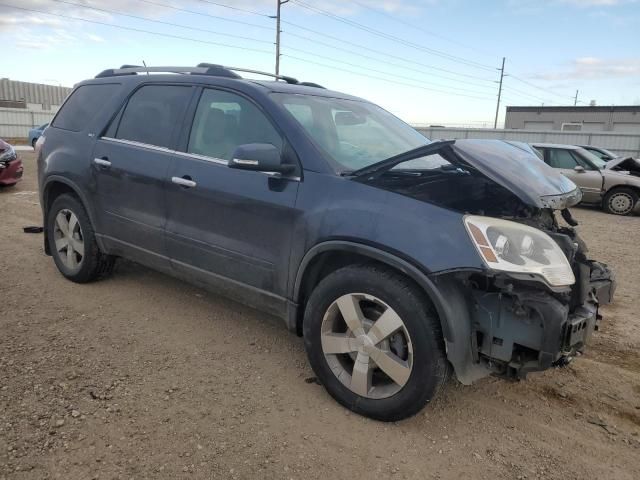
282, 87
556, 145
213, 74
577, 109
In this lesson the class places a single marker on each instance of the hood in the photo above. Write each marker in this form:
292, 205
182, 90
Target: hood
627, 165
520, 172
481, 177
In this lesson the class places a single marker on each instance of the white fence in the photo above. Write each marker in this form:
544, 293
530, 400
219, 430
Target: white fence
16, 122
624, 144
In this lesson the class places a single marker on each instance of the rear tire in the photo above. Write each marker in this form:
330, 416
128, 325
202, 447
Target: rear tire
72, 241
33, 143
620, 201
400, 365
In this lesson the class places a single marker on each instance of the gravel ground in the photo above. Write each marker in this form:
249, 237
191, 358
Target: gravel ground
143, 376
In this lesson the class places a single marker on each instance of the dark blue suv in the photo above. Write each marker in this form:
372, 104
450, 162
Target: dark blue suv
397, 259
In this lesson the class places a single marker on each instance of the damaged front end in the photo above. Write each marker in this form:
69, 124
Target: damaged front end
537, 301
520, 325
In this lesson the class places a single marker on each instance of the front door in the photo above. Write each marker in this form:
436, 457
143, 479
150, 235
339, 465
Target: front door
131, 162
588, 179
230, 228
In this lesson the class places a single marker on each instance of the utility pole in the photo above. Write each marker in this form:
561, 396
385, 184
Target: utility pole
280, 3
495, 122
575, 100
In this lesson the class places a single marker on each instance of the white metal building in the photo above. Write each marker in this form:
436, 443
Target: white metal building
617, 119
25, 105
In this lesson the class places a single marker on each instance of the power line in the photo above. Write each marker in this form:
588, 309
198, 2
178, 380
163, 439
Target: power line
171, 24
195, 12
378, 52
387, 62
238, 9
314, 54
384, 79
382, 34
418, 28
251, 39
540, 88
139, 30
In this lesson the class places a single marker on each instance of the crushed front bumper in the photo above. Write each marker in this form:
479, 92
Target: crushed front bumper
11, 172
523, 329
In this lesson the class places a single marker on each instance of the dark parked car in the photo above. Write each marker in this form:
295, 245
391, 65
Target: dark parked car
396, 259
10, 165
35, 133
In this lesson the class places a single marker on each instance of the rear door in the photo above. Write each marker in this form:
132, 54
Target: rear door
130, 165
588, 179
230, 228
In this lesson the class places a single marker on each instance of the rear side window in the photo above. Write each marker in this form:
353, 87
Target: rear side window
82, 105
152, 113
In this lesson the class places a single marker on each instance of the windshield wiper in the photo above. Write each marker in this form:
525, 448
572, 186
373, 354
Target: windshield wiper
382, 166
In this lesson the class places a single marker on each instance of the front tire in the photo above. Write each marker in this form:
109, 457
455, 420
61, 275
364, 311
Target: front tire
375, 342
620, 201
72, 241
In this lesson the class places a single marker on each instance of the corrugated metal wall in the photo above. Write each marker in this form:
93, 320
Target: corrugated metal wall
15, 123
32, 92
42, 102
620, 143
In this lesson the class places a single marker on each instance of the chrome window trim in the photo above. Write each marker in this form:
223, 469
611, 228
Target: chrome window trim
138, 144
195, 156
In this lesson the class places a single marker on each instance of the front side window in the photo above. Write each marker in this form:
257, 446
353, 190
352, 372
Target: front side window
561, 159
225, 120
353, 134
592, 159
152, 113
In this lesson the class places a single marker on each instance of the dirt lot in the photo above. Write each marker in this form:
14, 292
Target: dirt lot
142, 376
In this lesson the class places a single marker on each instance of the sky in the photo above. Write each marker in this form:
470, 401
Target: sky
430, 62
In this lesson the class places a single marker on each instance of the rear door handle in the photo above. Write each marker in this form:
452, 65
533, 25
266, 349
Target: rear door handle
184, 181
102, 162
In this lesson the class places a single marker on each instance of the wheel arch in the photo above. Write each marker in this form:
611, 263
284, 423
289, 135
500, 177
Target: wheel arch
53, 187
326, 257
618, 186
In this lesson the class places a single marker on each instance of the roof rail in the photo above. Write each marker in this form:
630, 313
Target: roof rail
200, 69
247, 70
209, 69
311, 84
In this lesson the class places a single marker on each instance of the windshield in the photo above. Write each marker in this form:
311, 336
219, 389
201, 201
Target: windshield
596, 160
353, 134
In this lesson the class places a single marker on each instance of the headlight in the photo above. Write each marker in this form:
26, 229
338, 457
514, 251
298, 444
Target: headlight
7, 154
516, 248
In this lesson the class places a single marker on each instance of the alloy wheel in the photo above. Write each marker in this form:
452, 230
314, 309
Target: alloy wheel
367, 345
69, 241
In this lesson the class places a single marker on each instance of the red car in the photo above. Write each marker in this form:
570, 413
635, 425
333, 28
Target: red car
10, 165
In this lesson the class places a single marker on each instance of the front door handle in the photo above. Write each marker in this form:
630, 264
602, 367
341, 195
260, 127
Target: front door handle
184, 181
102, 162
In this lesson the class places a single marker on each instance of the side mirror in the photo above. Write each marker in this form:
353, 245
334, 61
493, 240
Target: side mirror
579, 169
260, 157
